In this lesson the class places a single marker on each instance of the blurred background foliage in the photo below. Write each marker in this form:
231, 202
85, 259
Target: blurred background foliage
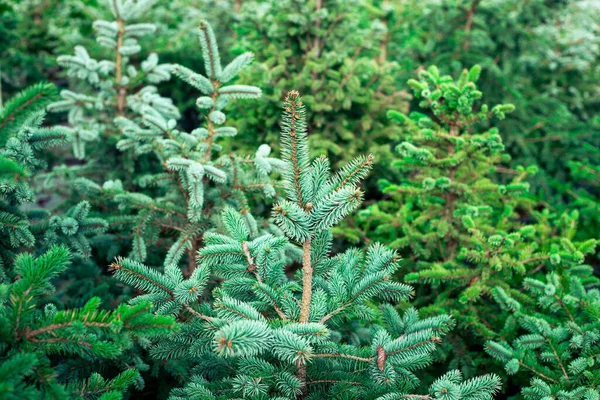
351, 58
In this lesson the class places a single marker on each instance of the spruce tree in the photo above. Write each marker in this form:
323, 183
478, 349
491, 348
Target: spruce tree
18, 120
267, 331
464, 233
109, 80
168, 182
271, 308
111, 87
183, 179
32, 226
176, 204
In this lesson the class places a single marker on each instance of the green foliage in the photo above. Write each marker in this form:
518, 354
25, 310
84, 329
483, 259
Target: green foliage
164, 177
16, 112
41, 343
22, 139
192, 184
583, 186
264, 334
335, 53
24, 51
539, 55
559, 344
111, 87
464, 232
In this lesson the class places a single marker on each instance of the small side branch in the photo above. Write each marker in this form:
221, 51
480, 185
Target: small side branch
253, 269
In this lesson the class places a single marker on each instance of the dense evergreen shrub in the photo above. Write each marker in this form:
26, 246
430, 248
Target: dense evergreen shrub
333, 52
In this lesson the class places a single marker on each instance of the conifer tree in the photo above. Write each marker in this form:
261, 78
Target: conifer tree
267, 333
48, 352
107, 82
33, 328
558, 347
539, 55
176, 203
21, 140
464, 233
15, 124
271, 308
333, 51
33, 33
112, 87
186, 180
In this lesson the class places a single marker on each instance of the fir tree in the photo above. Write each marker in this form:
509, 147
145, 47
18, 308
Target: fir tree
266, 334
120, 85
112, 87
465, 234
162, 217
541, 56
47, 350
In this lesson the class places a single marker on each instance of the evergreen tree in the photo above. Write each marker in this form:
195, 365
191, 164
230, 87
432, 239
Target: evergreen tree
542, 56
464, 233
49, 353
266, 334
167, 183
16, 124
117, 85
21, 140
271, 308
175, 205
175, 20
111, 87
26, 48
27, 225
559, 344
334, 51
183, 180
